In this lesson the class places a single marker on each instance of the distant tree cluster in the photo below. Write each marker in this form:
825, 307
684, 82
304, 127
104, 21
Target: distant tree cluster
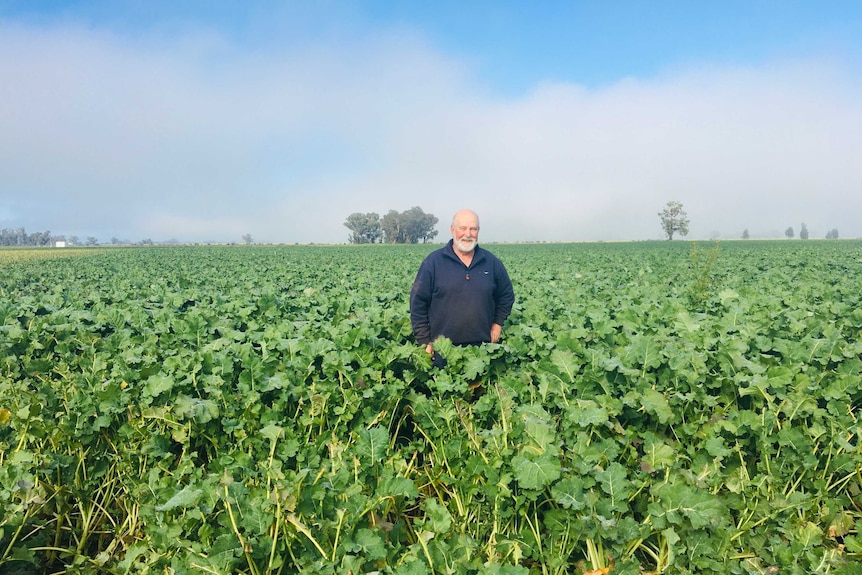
19, 237
674, 220
803, 233
364, 228
408, 227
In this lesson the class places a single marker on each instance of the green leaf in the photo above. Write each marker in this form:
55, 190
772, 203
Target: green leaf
644, 352
393, 486
370, 543
569, 493
566, 363
657, 454
272, 432
685, 323
536, 473
157, 385
613, 482
476, 360
677, 503
537, 426
372, 443
727, 295
224, 552
437, 517
656, 403
412, 566
853, 543
717, 448
807, 535
199, 410
185, 498
587, 413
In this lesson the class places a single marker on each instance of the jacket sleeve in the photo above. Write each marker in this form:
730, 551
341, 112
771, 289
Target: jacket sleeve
504, 295
420, 304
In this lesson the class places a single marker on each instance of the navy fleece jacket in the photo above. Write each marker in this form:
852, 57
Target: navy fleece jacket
457, 301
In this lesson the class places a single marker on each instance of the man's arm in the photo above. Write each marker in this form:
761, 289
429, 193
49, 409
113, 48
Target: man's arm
504, 298
420, 303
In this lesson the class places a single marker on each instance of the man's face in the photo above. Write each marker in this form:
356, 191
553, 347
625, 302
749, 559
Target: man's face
465, 232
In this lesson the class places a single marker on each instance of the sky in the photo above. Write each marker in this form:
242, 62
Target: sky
578, 120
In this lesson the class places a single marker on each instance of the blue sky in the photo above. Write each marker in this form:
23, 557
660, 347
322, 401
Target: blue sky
511, 46
201, 121
517, 44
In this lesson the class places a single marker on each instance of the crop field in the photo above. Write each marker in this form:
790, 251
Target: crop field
659, 407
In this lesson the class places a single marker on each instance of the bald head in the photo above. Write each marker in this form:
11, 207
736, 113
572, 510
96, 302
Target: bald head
471, 218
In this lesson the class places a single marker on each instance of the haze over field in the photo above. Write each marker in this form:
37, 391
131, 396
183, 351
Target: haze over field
556, 121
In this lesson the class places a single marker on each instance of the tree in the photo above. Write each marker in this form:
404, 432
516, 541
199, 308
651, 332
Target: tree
803, 231
745, 234
419, 225
674, 220
408, 227
789, 232
13, 237
365, 228
391, 225
832, 234
92, 241
247, 239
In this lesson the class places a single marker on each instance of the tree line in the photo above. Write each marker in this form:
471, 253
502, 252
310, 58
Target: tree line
408, 227
20, 237
803, 233
675, 220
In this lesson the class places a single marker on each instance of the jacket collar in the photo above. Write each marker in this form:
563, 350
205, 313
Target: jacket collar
449, 250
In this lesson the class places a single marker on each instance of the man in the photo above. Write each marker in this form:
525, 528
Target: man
461, 291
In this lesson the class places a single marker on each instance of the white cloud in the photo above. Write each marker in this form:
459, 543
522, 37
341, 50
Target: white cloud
193, 138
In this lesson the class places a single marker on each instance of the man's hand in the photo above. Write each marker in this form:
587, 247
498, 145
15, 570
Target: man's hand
496, 330
436, 359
